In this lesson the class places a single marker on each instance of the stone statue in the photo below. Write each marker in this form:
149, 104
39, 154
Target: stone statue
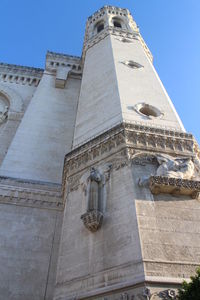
94, 190
180, 167
93, 187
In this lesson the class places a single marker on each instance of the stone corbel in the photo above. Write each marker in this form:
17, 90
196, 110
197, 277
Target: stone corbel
176, 186
61, 76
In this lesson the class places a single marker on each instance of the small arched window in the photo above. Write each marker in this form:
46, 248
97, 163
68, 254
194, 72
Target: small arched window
117, 24
100, 27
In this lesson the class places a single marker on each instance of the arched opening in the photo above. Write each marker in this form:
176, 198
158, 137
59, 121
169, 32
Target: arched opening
117, 24
100, 27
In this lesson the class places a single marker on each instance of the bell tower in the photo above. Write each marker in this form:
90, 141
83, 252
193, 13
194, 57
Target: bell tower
131, 181
119, 81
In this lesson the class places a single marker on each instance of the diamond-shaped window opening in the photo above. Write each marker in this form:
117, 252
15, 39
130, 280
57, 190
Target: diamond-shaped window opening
132, 64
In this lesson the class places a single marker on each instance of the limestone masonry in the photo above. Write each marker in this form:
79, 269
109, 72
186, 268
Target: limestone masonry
99, 182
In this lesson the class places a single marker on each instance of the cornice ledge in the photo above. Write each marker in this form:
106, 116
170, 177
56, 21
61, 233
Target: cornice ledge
176, 186
58, 60
106, 8
30, 193
56, 54
128, 139
21, 69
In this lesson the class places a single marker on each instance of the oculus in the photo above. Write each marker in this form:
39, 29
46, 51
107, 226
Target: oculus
132, 64
148, 110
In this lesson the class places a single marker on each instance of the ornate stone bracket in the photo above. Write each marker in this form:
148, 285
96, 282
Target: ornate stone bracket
166, 294
177, 186
92, 220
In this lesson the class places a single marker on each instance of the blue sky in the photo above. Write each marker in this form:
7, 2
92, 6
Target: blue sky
170, 28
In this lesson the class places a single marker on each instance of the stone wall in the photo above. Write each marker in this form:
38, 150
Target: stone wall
28, 241
17, 86
92, 262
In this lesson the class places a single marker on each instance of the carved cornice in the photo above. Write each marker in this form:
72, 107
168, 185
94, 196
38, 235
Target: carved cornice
119, 147
20, 74
113, 10
127, 139
51, 54
57, 60
26, 193
177, 186
22, 69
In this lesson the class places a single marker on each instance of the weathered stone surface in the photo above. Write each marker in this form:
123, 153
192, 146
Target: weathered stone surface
26, 241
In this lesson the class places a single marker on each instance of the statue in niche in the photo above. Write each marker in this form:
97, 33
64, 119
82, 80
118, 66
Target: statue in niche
179, 167
93, 218
93, 187
94, 198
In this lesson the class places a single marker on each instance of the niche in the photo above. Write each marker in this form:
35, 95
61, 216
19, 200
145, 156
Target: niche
100, 27
117, 23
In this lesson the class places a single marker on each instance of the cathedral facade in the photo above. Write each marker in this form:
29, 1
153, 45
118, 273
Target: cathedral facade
99, 181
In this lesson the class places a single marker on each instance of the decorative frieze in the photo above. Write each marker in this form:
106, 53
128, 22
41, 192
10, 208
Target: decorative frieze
128, 139
20, 75
56, 61
24, 193
177, 186
112, 10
